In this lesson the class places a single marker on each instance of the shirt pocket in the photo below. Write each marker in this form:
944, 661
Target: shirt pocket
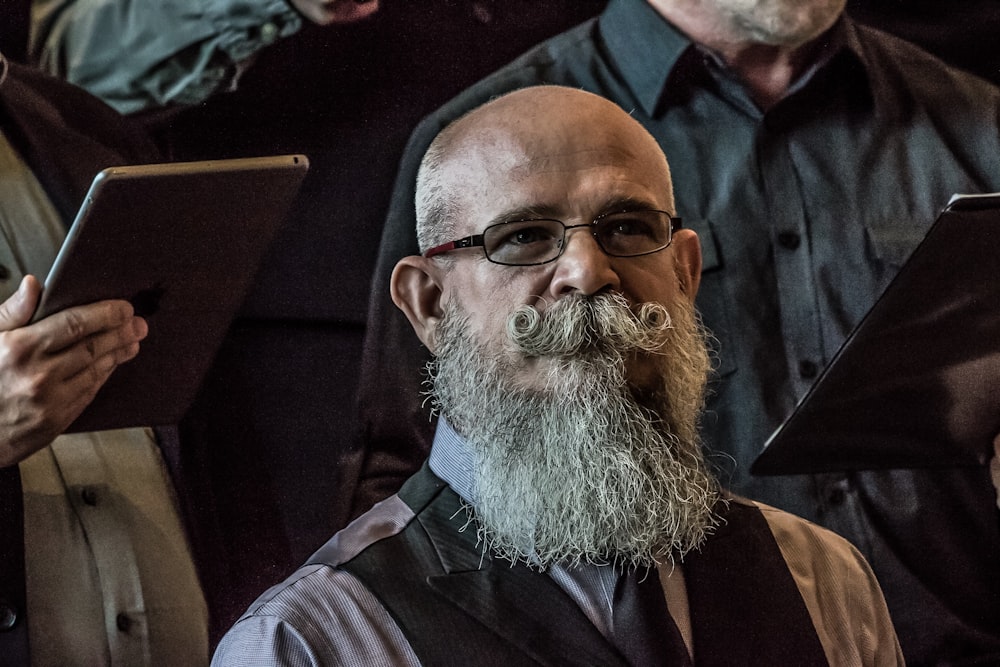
712, 300
891, 244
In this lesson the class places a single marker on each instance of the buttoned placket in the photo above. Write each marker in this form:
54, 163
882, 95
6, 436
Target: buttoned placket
114, 556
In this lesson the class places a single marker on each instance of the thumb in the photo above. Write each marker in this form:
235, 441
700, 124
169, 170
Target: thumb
16, 311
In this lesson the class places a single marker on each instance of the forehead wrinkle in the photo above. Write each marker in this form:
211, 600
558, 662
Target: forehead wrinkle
611, 155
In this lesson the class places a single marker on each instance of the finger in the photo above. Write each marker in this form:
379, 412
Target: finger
16, 311
37, 409
76, 393
108, 347
68, 327
79, 389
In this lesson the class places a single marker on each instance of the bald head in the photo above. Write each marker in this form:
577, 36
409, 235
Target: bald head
526, 132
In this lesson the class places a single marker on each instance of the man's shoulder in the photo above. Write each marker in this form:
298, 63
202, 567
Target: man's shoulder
385, 519
839, 589
323, 577
326, 611
805, 544
319, 615
321, 610
895, 61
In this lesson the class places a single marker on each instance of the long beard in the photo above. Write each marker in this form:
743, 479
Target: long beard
582, 469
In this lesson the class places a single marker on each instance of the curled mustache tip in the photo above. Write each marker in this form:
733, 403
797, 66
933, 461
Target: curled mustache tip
578, 323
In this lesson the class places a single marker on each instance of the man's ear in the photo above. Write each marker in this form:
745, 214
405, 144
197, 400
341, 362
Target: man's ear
416, 290
687, 261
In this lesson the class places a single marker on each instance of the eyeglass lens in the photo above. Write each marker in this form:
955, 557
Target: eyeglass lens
538, 241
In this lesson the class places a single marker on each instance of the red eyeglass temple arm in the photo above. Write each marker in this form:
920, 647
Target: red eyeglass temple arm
467, 242
443, 248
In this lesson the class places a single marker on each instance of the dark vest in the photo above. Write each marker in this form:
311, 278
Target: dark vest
458, 606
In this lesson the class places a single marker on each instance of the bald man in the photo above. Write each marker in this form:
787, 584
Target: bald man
566, 514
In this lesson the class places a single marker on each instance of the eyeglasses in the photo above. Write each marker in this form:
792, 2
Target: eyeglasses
532, 242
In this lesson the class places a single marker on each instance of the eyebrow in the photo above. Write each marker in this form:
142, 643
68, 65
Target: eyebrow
619, 204
550, 212
541, 212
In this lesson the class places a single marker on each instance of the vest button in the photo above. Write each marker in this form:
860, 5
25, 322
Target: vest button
808, 369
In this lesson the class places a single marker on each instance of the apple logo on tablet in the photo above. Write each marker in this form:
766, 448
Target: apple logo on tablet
146, 302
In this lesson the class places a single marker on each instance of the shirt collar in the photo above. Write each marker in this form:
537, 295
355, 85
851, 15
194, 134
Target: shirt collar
452, 460
627, 28
590, 585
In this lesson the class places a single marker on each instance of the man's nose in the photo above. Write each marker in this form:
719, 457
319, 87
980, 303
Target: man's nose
583, 266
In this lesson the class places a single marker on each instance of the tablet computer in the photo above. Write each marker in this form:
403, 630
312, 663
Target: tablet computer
182, 242
917, 383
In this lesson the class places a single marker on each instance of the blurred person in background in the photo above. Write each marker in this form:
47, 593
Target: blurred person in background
96, 566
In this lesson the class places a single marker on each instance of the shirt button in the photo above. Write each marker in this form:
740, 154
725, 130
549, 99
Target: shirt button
268, 33
808, 369
789, 240
8, 616
123, 622
89, 496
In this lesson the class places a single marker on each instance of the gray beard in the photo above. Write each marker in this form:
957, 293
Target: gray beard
582, 470
781, 22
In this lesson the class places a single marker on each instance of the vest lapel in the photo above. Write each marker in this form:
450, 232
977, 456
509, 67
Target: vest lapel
524, 607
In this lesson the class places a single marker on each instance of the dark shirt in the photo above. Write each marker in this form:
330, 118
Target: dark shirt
805, 212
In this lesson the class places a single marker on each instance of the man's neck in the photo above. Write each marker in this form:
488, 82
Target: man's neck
768, 71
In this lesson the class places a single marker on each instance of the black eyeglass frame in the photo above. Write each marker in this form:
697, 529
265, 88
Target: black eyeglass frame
478, 240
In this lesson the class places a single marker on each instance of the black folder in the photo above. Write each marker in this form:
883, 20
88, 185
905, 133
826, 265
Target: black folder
917, 383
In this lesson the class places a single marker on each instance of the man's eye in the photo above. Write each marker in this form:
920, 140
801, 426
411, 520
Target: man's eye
527, 236
629, 227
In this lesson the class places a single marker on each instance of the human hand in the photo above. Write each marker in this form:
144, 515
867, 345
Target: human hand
52, 369
995, 468
329, 12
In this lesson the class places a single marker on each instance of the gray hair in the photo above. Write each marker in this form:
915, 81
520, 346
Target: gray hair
436, 205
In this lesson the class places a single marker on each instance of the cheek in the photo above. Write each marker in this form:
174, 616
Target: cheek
489, 293
491, 303
657, 281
